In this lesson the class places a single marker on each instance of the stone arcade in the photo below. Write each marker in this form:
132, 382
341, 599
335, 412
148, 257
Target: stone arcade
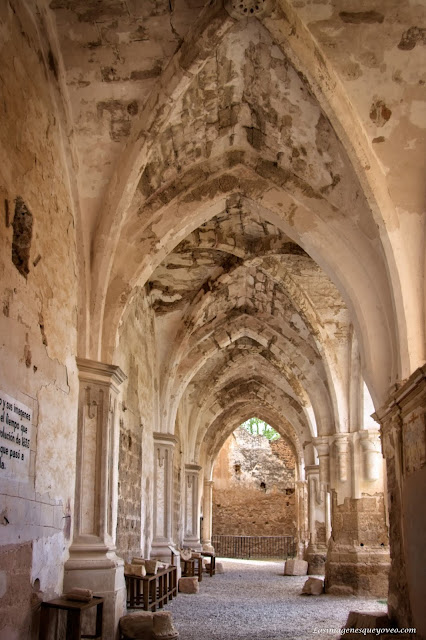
210, 213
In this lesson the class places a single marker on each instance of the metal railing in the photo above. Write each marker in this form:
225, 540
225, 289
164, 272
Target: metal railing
254, 546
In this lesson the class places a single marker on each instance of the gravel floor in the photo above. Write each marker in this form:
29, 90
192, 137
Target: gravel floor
252, 600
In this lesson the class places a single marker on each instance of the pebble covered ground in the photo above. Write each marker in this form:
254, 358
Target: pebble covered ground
253, 600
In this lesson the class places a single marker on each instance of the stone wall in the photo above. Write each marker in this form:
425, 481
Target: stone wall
135, 355
38, 324
253, 491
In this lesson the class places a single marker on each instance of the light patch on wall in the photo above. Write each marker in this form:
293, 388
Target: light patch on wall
47, 562
418, 113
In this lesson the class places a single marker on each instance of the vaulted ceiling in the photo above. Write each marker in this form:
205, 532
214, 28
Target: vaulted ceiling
239, 160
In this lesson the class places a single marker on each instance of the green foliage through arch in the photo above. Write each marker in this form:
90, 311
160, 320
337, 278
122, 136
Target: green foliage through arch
258, 427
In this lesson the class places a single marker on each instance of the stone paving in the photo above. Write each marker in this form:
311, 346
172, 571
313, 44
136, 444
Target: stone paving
252, 600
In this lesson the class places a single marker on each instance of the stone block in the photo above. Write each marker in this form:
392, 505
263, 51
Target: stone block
219, 567
163, 628
316, 564
189, 585
137, 626
296, 567
135, 570
360, 620
313, 587
151, 566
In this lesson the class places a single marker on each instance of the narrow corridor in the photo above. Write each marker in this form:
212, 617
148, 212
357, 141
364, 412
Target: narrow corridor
252, 600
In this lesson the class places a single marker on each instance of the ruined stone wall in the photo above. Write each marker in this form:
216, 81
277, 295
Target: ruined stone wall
136, 356
253, 491
364, 518
357, 559
38, 327
403, 432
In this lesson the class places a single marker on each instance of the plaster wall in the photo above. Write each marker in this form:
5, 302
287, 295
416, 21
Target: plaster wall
37, 325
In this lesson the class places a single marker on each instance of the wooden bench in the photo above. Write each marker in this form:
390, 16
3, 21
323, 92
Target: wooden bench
151, 591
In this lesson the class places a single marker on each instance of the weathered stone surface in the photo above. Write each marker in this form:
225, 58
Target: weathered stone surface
313, 587
135, 353
170, 181
360, 620
316, 564
219, 567
189, 585
163, 628
151, 566
253, 490
137, 626
295, 567
135, 569
358, 555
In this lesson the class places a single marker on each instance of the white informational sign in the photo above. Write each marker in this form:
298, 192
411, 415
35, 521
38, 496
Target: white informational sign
15, 438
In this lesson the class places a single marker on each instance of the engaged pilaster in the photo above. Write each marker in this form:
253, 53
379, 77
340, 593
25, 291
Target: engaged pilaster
322, 446
207, 516
317, 549
163, 495
93, 563
192, 511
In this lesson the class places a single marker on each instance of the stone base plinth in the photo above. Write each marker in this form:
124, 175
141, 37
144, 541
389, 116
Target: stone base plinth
350, 571
160, 550
105, 577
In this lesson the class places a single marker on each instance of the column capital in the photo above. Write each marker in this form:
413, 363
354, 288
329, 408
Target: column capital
341, 440
341, 443
312, 470
322, 445
192, 468
100, 371
165, 439
370, 440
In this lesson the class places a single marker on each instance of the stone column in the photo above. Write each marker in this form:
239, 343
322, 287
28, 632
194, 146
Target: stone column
192, 511
93, 563
316, 551
163, 495
207, 516
341, 444
403, 433
322, 446
371, 454
323, 449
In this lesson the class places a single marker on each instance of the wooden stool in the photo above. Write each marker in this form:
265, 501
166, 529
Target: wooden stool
192, 567
74, 610
211, 555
